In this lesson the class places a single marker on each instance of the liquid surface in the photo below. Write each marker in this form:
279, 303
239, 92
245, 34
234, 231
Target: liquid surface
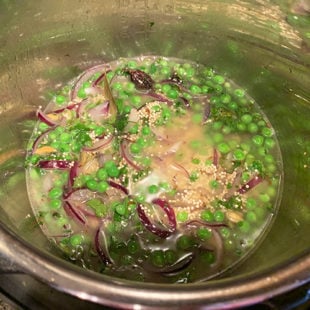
153, 169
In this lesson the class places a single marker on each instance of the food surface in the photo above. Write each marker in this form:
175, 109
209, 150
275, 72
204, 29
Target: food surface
153, 169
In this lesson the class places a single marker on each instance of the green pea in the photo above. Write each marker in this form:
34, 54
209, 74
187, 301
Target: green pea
134, 129
223, 148
214, 184
264, 197
225, 232
135, 148
219, 216
219, 79
239, 154
269, 143
43, 127
135, 100
245, 176
158, 258
182, 216
165, 71
132, 246
246, 118
226, 130
204, 233
113, 171
241, 127
127, 109
269, 158
207, 216
218, 137
251, 216
165, 88
120, 209
65, 137
239, 92
251, 203
207, 257
81, 93
196, 161
60, 99
102, 174
117, 86
172, 94
55, 192
252, 128
267, 132
195, 89
55, 203
102, 186
146, 130
170, 257
244, 226
225, 98
132, 64
258, 140
233, 105
153, 189
92, 184
217, 125
76, 240
184, 242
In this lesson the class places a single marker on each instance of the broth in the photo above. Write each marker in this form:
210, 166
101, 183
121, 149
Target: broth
154, 169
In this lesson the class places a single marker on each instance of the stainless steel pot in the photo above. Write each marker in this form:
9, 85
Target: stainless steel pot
263, 45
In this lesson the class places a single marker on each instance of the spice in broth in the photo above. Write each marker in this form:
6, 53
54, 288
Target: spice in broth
153, 169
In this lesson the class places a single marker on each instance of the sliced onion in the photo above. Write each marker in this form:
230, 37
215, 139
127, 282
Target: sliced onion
127, 156
72, 174
77, 215
102, 142
180, 168
100, 112
173, 269
250, 184
215, 157
203, 223
55, 164
45, 119
85, 76
118, 186
38, 140
158, 97
206, 112
68, 107
101, 77
164, 205
101, 246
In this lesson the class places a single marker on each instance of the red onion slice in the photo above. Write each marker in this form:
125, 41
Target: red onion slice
55, 164
250, 184
72, 174
77, 215
100, 112
118, 186
101, 143
44, 118
126, 155
101, 246
164, 205
215, 157
39, 139
84, 77
203, 223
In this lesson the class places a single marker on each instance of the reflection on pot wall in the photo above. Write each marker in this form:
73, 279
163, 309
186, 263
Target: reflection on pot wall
263, 45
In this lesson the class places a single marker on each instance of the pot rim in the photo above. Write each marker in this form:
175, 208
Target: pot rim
91, 286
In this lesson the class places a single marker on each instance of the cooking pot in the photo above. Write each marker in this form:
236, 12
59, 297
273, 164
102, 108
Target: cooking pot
262, 45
